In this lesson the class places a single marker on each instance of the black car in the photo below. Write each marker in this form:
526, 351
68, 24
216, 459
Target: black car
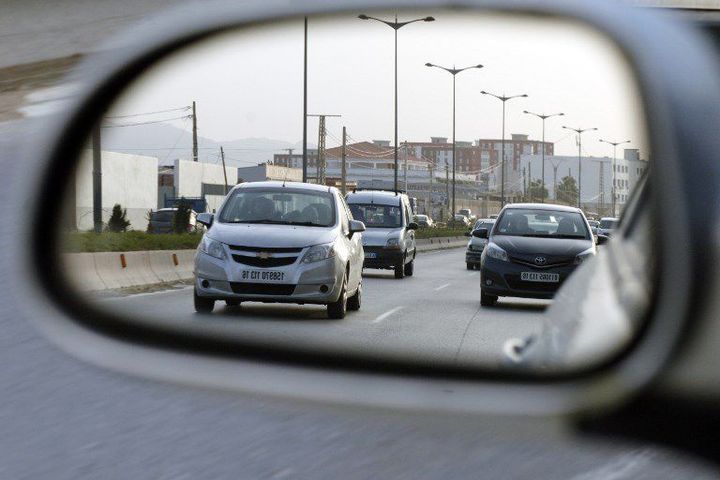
531, 251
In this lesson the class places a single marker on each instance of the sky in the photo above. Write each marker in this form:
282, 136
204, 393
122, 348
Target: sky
248, 83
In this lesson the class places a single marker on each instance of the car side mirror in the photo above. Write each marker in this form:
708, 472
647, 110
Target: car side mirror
480, 233
467, 234
602, 239
356, 226
412, 226
206, 219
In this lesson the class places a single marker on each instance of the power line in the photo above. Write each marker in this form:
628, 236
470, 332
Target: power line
185, 108
147, 123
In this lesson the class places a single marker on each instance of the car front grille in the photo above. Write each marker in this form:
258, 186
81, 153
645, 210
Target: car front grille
264, 262
266, 249
261, 288
550, 264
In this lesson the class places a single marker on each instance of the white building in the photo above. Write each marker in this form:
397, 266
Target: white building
203, 180
264, 172
128, 180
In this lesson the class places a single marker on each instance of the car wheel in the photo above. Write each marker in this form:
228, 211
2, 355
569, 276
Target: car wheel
353, 303
400, 269
202, 304
337, 310
469, 266
487, 300
410, 268
233, 303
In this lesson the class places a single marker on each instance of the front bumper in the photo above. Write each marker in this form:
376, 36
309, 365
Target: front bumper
473, 256
302, 283
384, 258
503, 279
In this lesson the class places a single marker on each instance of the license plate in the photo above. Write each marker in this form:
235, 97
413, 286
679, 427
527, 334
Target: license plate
370, 255
540, 277
266, 276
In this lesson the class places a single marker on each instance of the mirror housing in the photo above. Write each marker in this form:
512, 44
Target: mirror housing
205, 218
356, 226
467, 234
480, 233
602, 239
412, 226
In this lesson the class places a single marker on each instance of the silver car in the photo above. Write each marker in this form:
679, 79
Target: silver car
277, 242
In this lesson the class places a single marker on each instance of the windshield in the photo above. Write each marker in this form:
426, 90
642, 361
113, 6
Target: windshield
608, 224
541, 223
281, 206
377, 216
162, 217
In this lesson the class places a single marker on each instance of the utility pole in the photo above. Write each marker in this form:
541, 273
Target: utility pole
555, 167
405, 152
601, 186
344, 159
195, 144
543, 118
530, 194
222, 157
322, 133
525, 184
579, 132
97, 180
305, 159
447, 183
429, 208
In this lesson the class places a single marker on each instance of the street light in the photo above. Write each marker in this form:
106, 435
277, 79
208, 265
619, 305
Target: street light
396, 26
614, 145
503, 99
579, 132
543, 118
453, 71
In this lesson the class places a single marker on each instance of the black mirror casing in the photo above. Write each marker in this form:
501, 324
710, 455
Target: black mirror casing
480, 233
413, 226
602, 240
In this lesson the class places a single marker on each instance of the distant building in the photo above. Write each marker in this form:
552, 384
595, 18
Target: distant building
265, 171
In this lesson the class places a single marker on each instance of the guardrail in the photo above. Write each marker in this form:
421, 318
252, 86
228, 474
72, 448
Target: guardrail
118, 270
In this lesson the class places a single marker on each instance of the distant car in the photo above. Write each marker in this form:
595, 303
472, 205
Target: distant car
389, 240
162, 221
606, 226
594, 224
532, 249
424, 221
458, 220
467, 212
476, 244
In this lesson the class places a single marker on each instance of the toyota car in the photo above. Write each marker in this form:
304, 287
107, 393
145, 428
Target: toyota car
532, 249
278, 242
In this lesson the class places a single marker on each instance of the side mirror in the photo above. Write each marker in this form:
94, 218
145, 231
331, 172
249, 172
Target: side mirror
480, 233
356, 226
602, 239
467, 234
206, 219
412, 226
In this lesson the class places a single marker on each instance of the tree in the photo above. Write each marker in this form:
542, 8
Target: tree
118, 221
536, 191
567, 191
181, 219
148, 217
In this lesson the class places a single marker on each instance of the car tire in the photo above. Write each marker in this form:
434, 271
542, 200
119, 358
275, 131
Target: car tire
337, 310
202, 304
400, 269
469, 266
354, 302
487, 300
410, 268
233, 303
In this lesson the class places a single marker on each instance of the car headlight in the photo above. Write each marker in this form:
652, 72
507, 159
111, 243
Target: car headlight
582, 256
493, 251
393, 243
319, 252
212, 248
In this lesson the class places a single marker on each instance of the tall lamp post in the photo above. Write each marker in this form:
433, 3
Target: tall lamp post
543, 118
453, 71
396, 26
579, 132
503, 99
614, 145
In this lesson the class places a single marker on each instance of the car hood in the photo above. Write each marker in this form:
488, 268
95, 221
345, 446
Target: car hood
556, 247
273, 236
378, 237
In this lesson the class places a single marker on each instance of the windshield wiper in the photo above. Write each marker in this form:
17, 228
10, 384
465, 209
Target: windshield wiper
266, 221
307, 224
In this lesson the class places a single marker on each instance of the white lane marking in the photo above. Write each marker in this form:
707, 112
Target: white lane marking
624, 466
442, 286
387, 314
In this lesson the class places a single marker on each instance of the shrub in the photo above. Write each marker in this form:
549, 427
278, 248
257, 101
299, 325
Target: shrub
118, 219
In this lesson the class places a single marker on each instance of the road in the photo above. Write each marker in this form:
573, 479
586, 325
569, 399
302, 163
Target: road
434, 315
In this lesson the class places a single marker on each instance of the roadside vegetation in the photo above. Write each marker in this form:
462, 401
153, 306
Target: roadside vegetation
75, 242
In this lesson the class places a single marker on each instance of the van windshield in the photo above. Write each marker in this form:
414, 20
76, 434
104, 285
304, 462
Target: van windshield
377, 216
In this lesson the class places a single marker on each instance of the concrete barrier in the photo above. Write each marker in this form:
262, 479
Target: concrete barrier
116, 270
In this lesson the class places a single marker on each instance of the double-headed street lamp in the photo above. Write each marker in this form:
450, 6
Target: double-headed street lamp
503, 99
614, 145
543, 118
396, 26
579, 132
453, 71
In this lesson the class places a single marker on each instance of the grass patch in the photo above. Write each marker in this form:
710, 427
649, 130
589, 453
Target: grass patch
76, 242
440, 232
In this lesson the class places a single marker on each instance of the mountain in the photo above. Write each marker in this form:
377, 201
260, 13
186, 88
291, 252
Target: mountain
167, 143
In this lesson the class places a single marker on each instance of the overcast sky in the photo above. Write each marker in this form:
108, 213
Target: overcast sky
249, 83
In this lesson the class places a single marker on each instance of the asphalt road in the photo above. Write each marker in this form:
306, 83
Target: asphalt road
434, 315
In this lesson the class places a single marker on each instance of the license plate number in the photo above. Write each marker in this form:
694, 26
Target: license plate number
370, 255
540, 277
268, 276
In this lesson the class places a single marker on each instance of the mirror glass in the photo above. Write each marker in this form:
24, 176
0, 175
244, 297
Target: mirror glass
465, 114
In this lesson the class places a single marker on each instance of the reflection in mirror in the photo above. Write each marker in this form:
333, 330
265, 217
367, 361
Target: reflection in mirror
518, 142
